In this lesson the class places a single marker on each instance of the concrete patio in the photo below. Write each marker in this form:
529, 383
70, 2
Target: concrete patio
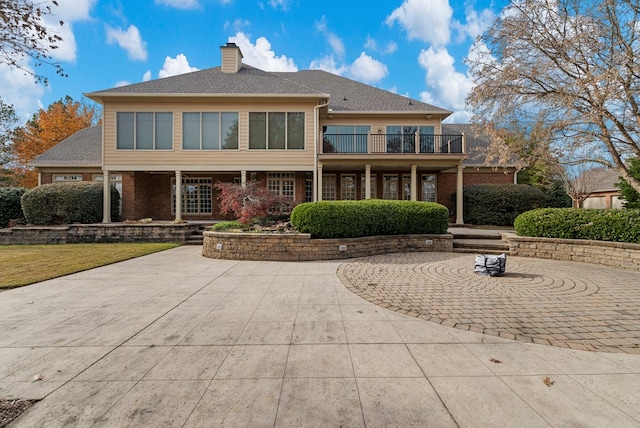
175, 339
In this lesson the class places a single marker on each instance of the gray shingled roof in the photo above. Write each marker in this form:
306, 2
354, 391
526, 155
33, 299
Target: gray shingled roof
348, 95
476, 144
212, 81
84, 148
345, 95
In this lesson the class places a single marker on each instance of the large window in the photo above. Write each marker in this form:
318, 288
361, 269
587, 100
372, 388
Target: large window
328, 187
345, 139
282, 183
374, 186
144, 131
196, 196
210, 131
348, 187
429, 187
64, 178
308, 187
406, 187
276, 131
390, 186
402, 139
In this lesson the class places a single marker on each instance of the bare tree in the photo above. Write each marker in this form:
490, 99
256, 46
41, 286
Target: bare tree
581, 181
24, 34
567, 74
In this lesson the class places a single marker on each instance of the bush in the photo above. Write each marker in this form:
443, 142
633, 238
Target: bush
253, 203
576, 223
10, 208
630, 196
350, 219
499, 204
229, 225
557, 197
64, 203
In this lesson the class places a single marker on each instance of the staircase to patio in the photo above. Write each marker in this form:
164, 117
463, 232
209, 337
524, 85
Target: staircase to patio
196, 237
480, 241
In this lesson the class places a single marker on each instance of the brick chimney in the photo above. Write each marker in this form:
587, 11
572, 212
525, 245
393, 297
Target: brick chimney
231, 58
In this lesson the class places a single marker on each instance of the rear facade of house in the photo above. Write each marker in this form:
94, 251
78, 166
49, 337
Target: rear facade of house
309, 135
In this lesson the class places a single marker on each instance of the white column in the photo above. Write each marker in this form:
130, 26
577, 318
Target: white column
39, 178
414, 182
459, 216
243, 179
178, 195
319, 190
367, 181
106, 197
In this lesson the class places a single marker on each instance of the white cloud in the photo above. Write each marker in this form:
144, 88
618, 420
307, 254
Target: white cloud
18, 89
261, 55
67, 11
372, 45
175, 66
367, 70
237, 25
121, 83
426, 20
180, 4
460, 116
146, 76
337, 46
328, 64
476, 23
129, 40
283, 4
448, 87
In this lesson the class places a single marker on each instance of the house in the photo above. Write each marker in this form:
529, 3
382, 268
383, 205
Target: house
309, 135
605, 194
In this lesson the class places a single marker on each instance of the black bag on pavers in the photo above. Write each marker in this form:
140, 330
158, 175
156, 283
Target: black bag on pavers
491, 265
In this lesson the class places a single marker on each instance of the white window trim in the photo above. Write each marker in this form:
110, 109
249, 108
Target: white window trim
286, 135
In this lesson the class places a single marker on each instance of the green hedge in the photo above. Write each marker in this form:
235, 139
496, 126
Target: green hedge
350, 219
499, 204
577, 223
10, 208
65, 203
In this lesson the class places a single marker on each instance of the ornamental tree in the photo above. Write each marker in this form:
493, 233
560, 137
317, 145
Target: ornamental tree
252, 201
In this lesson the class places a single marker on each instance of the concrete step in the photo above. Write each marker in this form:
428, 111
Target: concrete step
496, 244
480, 251
485, 236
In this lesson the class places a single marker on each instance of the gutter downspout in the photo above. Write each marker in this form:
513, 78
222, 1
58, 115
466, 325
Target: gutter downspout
316, 120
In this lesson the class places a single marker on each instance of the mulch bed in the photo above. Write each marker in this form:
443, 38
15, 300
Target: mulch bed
11, 409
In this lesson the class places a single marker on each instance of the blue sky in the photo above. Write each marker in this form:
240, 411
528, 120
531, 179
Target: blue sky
415, 48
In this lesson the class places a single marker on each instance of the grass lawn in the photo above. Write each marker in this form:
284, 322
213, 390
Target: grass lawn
25, 264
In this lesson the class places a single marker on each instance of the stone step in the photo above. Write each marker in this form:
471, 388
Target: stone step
480, 251
496, 244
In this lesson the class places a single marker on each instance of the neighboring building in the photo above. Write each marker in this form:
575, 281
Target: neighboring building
309, 135
605, 194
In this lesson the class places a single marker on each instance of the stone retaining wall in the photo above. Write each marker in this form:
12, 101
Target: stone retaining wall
87, 233
300, 246
614, 254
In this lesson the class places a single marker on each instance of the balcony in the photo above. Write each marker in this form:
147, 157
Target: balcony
393, 143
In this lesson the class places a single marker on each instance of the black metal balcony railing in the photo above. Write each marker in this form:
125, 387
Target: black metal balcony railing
392, 143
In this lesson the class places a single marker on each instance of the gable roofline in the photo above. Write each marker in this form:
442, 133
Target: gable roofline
97, 96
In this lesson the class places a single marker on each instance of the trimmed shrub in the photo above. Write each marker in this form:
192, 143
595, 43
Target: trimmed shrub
65, 203
499, 204
577, 223
10, 208
350, 219
229, 225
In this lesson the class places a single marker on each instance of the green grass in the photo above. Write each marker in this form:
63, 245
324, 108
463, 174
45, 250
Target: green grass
25, 264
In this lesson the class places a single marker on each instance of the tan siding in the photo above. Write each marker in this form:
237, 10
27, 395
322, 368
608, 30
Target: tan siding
208, 159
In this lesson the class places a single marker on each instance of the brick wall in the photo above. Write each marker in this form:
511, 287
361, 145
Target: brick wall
614, 254
300, 246
88, 233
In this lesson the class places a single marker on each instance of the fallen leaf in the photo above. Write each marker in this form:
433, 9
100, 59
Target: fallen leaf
547, 381
38, 377
359, 311
494, 360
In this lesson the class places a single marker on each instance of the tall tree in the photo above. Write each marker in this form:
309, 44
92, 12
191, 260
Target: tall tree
567, 72
46, 129
24, 34
580, 181
8, 122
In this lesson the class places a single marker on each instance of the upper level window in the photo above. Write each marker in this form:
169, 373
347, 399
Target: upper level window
210, 131
402, 139
345, 138
276, 131
144, 130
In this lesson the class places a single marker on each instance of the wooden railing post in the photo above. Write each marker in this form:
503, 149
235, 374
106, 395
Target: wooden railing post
417, 142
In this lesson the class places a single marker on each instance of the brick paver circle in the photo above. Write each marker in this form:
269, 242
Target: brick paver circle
557, 303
